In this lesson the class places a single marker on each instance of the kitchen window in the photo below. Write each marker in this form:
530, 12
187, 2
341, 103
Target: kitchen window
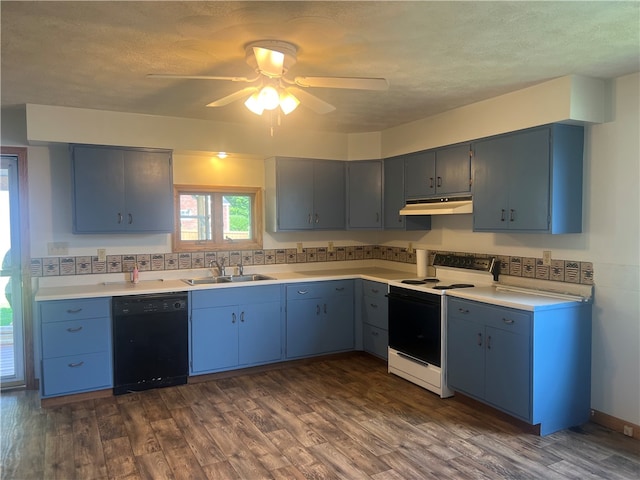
217, 218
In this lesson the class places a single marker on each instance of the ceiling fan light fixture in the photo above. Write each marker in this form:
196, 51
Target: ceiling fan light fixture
288, 102
269, 97
254, 104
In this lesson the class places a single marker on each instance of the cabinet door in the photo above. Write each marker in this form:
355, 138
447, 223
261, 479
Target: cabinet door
148, 191
507, 373
364, 186
465, 356
260, 339
329, 195
304, 327
214, 338
420, 175
338, 318
453, 170
98, 189
528, 183
295, 193
491, 184
393, 193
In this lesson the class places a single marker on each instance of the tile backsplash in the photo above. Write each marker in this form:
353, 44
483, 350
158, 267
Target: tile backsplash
569, 271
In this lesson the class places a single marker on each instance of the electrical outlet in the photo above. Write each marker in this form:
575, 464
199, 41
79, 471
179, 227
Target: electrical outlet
410, 248
58, 248
627, 430
102, 254
299, 247
330, 248
546, 257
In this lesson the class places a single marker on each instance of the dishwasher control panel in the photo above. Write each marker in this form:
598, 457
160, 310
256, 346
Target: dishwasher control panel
154, 303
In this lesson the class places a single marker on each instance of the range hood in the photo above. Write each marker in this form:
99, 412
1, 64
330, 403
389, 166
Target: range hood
438, 206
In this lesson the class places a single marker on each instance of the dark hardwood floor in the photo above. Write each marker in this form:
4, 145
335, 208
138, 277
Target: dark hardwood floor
337, 418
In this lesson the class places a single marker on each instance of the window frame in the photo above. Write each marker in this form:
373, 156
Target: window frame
219, 243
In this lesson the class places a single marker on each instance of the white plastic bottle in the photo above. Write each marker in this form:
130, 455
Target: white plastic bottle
135, 274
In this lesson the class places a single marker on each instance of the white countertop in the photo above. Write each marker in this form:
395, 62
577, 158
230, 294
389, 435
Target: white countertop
163, 285
513, 299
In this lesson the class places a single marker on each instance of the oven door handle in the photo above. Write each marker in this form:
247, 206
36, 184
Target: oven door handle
401, 297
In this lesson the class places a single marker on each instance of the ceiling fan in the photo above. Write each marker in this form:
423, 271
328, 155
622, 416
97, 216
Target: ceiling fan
271, 88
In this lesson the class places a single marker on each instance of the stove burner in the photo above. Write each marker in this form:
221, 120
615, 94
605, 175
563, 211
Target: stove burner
414, 282
431, 280
452, 286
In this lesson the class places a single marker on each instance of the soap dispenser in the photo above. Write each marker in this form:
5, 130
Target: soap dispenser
135, 274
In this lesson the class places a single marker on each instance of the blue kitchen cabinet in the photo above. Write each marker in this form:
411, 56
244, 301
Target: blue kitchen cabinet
75, 346
529, 181
364, 194
235, 327
320, 318
121, 190
534, 366
394, 199
375, 322
440, 172
304, 194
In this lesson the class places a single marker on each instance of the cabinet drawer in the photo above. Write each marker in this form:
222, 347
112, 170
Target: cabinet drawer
375, 341
234, 296
75, 337
504, 318
374, 289
63, 310
77, 373
376, 312
320, 289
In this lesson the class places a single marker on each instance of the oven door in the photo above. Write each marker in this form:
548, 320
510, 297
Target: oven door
415, 324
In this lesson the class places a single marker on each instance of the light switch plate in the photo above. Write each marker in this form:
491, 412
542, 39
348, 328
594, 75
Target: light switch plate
102, 254
330, 249
546, 257
299, 247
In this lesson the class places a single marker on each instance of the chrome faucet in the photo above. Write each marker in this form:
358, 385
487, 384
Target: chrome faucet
219, 265
240, 268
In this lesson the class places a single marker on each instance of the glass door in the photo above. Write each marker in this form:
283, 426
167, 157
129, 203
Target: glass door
11, 315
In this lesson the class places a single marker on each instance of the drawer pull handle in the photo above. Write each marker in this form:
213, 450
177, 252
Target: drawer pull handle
375, 334
463, 310
303, 292
502, 216
130, 219
374, 305
233, 318
479, 339
489, 342
74, 330
119, 218
339, 289
325, 308
374, 290
508, 321
76, 365
76, 310
242, 316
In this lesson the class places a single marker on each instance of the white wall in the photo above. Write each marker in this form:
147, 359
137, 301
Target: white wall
611, 204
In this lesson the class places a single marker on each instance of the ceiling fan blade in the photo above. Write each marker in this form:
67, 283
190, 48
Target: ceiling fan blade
221, 102
355, 83
270, 62
201, 77
311, 101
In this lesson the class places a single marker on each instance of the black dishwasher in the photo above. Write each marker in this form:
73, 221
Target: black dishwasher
150, 341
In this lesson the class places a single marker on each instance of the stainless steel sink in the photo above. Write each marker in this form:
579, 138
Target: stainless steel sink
247, 278
226, 279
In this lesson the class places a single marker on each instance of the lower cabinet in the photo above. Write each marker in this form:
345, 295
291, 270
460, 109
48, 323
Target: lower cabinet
235, 327
75, 346
375, 312
320, 318
532, 365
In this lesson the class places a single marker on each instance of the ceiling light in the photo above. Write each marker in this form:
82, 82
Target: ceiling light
269, 97
288, 103
222, 155
254, 104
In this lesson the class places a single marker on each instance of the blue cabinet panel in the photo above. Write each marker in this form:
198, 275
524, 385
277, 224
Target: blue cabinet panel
75, 374
364, 200
75, 337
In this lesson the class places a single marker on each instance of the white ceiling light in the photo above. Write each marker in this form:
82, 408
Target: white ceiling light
269, 98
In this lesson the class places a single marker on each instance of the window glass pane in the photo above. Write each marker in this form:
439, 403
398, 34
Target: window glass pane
236, 217
195, 217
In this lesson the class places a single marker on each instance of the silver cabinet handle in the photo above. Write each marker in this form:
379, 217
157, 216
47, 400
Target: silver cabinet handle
233, 318
130, 219
75, 365
374, 290
309, 219
430, 182
512, 215
374, 305
502, 215
303, 292
377, 217
479, 339
339, 289
317, 218
74, 310
374, 333
74, 330
508, 321
489, 342
325, 308
119, 217
463, 310
242, 316
439, 184
317, 309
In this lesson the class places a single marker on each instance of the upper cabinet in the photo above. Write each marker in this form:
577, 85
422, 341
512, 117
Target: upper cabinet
394, 199
529, 181
304, 194
364, 199
121, 190
445, 171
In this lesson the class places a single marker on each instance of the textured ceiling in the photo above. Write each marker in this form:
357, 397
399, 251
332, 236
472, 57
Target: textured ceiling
435, 55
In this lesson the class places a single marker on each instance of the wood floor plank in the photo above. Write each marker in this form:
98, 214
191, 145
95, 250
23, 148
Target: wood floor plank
59, 457
291, 448
154, 466
221, 471
139, 431
119, 458
87, 447
184, 464
197, 437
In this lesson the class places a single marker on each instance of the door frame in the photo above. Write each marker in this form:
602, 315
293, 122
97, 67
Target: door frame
25, 263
